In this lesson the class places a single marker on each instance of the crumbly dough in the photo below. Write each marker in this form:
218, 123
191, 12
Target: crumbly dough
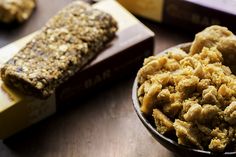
192, 95
16, 10
221, 38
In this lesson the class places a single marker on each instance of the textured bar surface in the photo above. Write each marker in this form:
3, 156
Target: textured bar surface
68, 41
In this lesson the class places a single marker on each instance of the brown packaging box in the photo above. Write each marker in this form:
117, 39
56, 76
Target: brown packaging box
191, 15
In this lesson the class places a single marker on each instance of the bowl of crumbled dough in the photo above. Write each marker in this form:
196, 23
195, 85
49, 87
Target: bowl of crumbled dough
186, 95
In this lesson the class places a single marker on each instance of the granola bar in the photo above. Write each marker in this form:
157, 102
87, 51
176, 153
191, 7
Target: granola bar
16, 10
68, 41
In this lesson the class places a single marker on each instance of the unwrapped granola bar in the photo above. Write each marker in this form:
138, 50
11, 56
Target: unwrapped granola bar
68, 41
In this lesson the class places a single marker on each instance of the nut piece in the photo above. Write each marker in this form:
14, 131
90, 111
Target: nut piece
230, 113
62, 48
163, 123
219, 140
16, 10
187, 134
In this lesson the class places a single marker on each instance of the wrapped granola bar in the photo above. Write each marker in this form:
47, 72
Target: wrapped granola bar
68, 41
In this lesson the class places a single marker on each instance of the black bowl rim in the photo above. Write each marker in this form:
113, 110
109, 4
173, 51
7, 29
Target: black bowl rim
136, 106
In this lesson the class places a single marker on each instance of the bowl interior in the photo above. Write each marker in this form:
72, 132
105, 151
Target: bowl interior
167, 142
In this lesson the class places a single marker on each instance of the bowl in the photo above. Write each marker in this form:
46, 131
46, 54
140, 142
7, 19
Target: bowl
168, 143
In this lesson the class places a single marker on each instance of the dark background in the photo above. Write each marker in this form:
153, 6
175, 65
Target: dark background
102, 124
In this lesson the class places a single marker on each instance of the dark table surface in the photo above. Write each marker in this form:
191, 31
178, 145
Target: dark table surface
102, 126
